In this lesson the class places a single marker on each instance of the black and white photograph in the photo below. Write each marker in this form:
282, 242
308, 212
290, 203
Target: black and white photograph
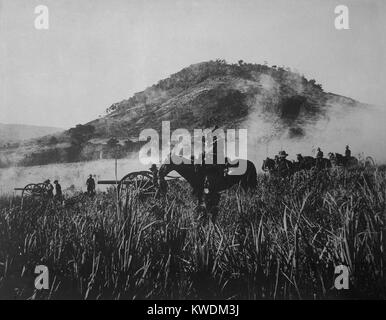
192, 150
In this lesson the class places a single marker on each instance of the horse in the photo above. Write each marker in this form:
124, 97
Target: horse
220, 175
225, 178
281, 167
322, 163
285, 168
305, 163
339, 160
269, 165
192, 173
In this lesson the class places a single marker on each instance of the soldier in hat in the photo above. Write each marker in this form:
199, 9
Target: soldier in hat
50, 188
282, 155
154, 170
347, 152
319, 157
319, 154
58, 191
90, 185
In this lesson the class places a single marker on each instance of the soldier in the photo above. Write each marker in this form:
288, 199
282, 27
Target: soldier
347, 152
58, 191
214, 146
154, 171
276, 161
319, 154
50, 188
282, 155
319, 157
203, 142
90, 185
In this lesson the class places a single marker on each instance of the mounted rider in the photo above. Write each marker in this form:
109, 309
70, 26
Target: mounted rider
319, 158
282, 155
319, 154
347, 152
281, 161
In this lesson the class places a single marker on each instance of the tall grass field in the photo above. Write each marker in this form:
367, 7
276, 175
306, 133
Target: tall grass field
281, 241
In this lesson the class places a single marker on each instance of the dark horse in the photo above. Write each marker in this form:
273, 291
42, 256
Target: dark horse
281, 167
305, 163
268, 165
339, 160
218, 177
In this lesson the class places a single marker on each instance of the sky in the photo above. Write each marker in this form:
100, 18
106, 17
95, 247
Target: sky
98, 52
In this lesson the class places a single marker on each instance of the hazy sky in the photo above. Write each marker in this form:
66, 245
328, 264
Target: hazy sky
97, 52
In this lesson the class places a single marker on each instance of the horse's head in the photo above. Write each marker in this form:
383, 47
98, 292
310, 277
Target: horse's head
299, 157
268, 164
264, 166
209, 184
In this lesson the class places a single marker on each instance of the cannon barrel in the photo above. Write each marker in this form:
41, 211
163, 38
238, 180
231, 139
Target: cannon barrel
113, 182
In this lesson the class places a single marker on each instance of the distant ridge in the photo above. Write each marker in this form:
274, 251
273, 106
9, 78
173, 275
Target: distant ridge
274, 103
10, 133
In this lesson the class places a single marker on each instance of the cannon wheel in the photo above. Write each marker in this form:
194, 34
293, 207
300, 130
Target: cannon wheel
141, 183
34, 190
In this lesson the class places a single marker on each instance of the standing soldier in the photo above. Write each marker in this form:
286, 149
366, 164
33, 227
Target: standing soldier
319, 154
90, 185
203, 145
50, 188
154, 171
347, 152
319, 157
214, 146
58, 191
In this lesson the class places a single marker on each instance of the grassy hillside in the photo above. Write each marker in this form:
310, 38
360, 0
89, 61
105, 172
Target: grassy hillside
13, 133
199, 96
281, 241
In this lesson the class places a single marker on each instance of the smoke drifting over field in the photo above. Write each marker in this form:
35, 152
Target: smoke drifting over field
362, 127
68, 174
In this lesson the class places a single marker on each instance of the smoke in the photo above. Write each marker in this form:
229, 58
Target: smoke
360, 126
68, 174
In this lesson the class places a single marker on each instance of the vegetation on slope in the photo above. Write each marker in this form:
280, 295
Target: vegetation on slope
199, 96
282, 241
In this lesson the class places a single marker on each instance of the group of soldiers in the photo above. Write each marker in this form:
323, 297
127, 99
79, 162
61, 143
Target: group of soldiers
282, 155
50, 190
90, 183
281, 165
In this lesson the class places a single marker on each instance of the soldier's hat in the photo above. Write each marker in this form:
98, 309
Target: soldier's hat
47, 181
298, 154
56, 181
153, 167
282, 154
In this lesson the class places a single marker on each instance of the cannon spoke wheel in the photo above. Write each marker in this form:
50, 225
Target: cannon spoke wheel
139, 183
34, 191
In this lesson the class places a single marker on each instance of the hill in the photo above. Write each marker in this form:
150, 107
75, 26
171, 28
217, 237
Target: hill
11, 133
274, 103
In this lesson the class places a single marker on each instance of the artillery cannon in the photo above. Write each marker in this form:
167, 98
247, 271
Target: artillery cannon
35, 191
141, 182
